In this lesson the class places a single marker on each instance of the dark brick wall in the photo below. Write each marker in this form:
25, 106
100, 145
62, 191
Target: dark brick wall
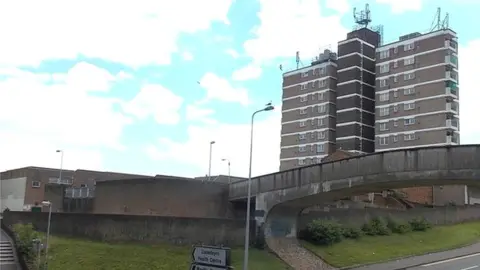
163, 196
439, 215
145, 229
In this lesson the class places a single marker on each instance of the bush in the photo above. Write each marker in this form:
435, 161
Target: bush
376, 226
352, 232
25, 235
323, 232
397, 226
420, 224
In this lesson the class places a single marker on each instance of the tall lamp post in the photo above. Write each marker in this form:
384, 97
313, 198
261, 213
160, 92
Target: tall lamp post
268, 107
49, 204
61, 165
210, 162
228, 162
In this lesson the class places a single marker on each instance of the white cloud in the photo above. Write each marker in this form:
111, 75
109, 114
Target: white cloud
157, 101
43, 112
188, 56
232, 142
221, 89
401, 6
292, 25
130, 32
468, 92
247, 73
195, 113
233, 53
341, 6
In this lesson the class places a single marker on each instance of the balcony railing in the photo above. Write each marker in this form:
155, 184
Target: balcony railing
451, 91
452, 139
58, 181
77, 193
451, 59
451, 75
452, 106
452, 123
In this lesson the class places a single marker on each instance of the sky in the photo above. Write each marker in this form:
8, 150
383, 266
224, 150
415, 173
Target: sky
143, 86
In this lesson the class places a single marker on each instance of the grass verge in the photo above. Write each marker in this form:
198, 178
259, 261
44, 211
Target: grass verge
375, 249
79, 254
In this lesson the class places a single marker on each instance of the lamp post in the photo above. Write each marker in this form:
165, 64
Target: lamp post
268, 107
61, 165
228, 162
210, 162
49, 204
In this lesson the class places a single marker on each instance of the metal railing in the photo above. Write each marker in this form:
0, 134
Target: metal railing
58, 181
83, 192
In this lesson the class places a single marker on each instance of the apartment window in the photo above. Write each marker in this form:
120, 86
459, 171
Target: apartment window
36, 184
303, 111
303, 98
395, 79
321, 71
321, 135
383, 82
395, 93
395, 123
395, 138
395, 64
312, 135
320, 96
83, 185
322, 83
304, 74
322, 108
395, 50
409, 61
303, 86
301, 136
383, 126
313, 97
409, 46
383, 140
384, 54
408, 106
408, 91
384, 111
301, 123
301, 148
314, 83
384, 97
314, 71
301, 161
409, 137
312, 122
321, 122
409, 121
409, 76
385, 68
395, 108
320, 148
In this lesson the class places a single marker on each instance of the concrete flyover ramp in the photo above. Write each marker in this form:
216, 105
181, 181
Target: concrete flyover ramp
280, 197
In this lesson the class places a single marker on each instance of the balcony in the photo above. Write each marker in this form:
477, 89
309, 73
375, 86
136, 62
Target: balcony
452, 123
79, 193
58, 181
452, 107
451, 59
451, 75
451, 91
452, 45
452, 139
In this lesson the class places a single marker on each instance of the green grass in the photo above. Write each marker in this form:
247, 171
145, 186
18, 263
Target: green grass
370, 249
78, 254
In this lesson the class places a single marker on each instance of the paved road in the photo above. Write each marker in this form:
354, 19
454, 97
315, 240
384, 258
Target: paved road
410, 263
469, 262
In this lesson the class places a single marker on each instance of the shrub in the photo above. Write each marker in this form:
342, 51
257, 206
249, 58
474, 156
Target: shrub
376, 226
25, 235
323, 232
352, 232
420, 224
397, 226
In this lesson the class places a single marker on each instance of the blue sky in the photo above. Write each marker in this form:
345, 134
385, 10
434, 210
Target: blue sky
144, 86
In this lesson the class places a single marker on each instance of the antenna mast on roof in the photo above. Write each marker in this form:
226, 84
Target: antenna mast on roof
362, 18
297, 59
438, 23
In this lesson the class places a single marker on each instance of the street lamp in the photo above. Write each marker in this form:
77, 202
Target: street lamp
61, 165
49, 204
268, 107
210, 162
228, 162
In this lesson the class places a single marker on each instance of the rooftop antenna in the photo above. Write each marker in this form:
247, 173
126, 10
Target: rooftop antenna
297, 58
438, 23
362, 18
